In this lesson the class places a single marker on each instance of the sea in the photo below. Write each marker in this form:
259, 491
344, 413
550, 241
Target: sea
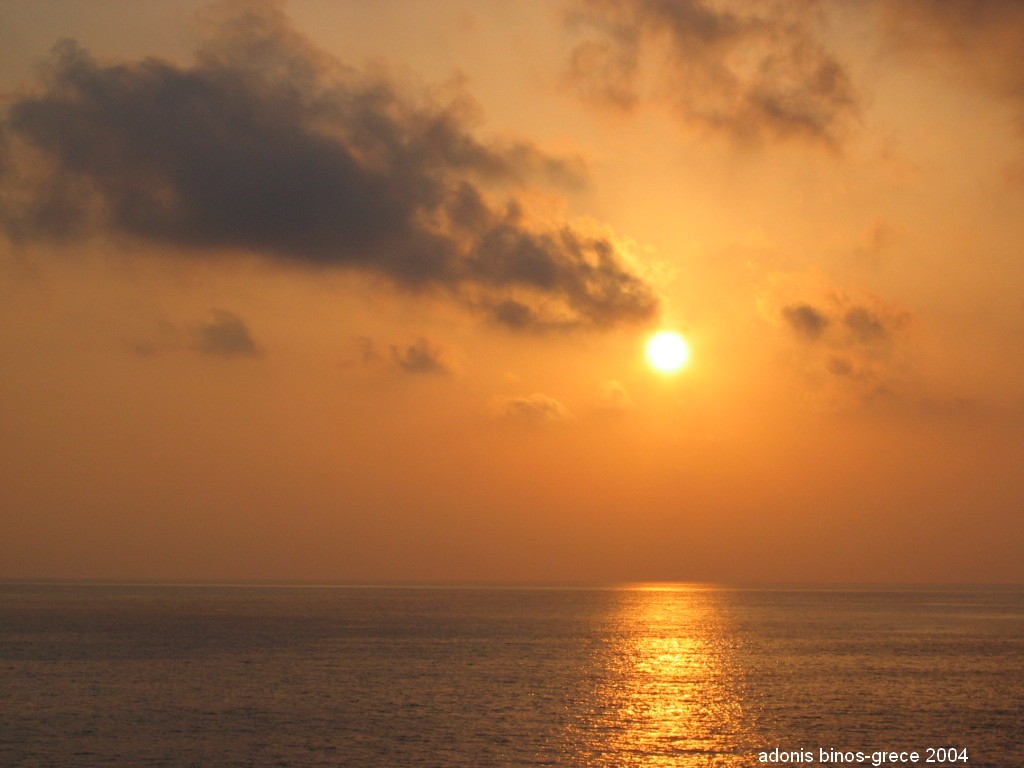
472, 676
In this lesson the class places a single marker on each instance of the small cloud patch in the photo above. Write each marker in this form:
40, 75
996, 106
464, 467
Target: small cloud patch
848, 344
420, 357
805, 320
537, 408
226, 335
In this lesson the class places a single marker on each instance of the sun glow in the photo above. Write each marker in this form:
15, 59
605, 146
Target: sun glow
667, 351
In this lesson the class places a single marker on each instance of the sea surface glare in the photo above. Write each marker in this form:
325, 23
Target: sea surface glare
656, 675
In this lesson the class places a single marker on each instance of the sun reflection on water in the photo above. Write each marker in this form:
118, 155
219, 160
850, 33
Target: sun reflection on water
667, 686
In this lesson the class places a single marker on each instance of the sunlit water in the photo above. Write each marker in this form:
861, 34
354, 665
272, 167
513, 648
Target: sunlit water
475, 677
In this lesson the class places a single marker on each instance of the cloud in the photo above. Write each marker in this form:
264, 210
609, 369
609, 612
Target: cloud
868, 326
981, 41
421, 357
226, 335
983, 35
573, 278
805, 320
840, 324
535, 409
266, 145
846, 343
750, 70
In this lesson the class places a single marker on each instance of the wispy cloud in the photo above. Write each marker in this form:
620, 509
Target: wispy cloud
752, 70
980, 41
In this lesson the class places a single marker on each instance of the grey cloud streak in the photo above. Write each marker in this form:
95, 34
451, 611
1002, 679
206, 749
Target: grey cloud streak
266, 145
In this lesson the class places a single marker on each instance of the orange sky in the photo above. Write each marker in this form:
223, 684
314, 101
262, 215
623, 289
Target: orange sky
360, 291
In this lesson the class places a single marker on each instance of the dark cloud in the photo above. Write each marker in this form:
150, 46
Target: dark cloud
266, 145
805, 320
583, 271
226, 335
421, 357
536, 409
748, 69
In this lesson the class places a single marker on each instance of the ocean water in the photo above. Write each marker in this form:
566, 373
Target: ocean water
657, 675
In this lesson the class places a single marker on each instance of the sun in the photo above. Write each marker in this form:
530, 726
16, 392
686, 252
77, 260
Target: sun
667, 351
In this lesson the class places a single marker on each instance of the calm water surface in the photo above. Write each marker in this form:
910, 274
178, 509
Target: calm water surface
474, 677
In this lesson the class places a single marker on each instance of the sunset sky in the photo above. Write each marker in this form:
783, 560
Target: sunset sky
361, 291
